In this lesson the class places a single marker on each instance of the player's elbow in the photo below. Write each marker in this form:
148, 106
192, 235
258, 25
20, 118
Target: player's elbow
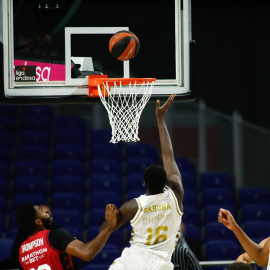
88, 256
261, 261
261, 264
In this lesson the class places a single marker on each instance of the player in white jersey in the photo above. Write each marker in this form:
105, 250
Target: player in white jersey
258, 253
156, 216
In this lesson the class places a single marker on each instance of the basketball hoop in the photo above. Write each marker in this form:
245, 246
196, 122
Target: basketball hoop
124, 100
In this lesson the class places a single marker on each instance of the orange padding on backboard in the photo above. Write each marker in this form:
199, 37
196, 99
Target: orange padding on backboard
93, 90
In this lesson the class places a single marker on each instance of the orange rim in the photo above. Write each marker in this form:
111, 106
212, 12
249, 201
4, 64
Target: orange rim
118, 81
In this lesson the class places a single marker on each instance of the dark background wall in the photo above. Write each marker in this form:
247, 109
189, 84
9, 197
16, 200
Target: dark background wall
233, 55
233, 44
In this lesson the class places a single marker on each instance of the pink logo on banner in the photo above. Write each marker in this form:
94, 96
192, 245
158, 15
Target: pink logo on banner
45, 71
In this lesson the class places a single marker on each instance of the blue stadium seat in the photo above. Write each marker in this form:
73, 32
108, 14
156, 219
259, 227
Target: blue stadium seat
143, 150
257, 229
3, 206
70, 136
138, 165
11, 233
221, 250
106, 182
93, 266
4, 169
35, 137
6, 245
135, 182
30, 168
7, 123
252, 195
9, 110
100, 135
106, 256
37, 152
69, 151
96, 216
5, 154
67, 200
255, 212
215, 180
109, 166
216, 231
38, 110
192, 232
11, 220
116, 238
135, 194
70, 122
190, 198
36, 122
210, 212
4, 188
18, 199
69, 218
68, 183
68, 167
218, 196
189, 181
185, 165
2, 224
99, 199
75, 231
105, 150
30, 185
6, 138
191, 215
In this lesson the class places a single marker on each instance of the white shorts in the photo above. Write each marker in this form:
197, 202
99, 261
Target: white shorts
134, 258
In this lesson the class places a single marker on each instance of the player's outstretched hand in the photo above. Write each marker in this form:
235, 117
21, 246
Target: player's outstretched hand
162, 110
111, 215
225, 217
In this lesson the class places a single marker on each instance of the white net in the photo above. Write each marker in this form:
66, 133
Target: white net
124, 105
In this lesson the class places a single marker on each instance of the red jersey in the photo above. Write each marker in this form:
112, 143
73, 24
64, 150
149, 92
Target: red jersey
36, 253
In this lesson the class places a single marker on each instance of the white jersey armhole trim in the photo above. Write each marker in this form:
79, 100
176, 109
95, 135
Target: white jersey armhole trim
175, 200
138, 212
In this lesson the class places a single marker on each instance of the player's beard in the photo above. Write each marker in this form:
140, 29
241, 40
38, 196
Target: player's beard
48, 223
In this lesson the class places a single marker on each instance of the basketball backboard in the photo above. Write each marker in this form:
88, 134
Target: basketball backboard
50, 46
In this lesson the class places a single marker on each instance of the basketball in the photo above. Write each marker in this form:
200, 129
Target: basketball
124, 45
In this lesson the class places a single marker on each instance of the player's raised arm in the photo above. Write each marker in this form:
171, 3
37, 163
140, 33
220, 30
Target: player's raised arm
170, 166
88, 251
257, 253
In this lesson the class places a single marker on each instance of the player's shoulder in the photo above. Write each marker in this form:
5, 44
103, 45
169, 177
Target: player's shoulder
59, 232
176, 187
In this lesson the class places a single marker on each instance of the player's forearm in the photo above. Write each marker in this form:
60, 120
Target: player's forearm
165, 140
93, 247
252, 249
169, 163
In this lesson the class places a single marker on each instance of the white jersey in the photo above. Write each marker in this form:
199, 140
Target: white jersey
156, 225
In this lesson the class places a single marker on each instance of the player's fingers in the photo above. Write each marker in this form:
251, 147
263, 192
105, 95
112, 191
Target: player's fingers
172, 97
158, 104
223, 211
170, 100
110, 207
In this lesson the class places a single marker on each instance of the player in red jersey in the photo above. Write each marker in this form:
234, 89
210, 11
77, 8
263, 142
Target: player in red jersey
46, 249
